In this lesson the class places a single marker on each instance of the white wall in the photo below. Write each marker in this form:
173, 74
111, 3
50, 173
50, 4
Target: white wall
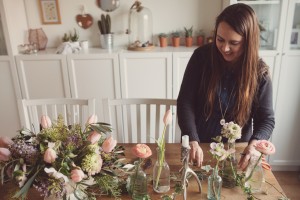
168, 15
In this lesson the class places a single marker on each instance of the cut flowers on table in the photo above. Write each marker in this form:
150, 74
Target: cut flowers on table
63, 161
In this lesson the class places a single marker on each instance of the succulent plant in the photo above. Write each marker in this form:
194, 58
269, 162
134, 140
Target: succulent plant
74, 37
162, 35
175, 34
188, 32
104, 24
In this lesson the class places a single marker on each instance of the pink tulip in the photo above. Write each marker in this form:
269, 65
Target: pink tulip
5, 141
92, 119
50, 155
77, 175
141, 151
45, 122
109, 144
94, 137
265, 147
4, 154
167, 118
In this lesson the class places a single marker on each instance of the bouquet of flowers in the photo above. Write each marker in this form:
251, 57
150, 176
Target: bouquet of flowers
63, 161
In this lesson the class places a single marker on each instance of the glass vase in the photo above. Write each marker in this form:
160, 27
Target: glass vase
214, 186
138, 183
161, 173
229, 168
254, 174
38, 37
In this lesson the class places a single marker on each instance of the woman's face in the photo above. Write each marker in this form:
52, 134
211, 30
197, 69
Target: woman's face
229, 43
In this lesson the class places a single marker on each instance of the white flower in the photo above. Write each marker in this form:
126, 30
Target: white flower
55, 174
231, 131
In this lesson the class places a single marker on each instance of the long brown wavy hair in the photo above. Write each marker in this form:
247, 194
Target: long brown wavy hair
243, 20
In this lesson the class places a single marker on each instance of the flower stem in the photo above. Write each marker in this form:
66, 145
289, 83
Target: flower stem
213, 183
276, 189
161, 155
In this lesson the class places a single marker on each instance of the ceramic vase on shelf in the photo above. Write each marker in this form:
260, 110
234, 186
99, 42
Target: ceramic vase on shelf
138, 183
229, 169
38, 37
161, 173
214, 186
255, 172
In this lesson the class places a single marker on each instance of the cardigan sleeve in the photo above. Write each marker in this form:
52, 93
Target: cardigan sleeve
263, 117
186, 102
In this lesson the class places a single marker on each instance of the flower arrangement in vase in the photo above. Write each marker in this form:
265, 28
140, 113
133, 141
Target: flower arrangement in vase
188, 36
161, 170
63, 161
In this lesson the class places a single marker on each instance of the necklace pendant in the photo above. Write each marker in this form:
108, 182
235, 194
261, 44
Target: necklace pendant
222, 122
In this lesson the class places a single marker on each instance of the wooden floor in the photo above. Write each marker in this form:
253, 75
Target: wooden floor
290, 183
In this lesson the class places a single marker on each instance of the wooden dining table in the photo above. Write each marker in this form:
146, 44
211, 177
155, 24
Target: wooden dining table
173, 158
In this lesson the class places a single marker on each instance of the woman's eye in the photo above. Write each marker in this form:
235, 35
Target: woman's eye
220, 39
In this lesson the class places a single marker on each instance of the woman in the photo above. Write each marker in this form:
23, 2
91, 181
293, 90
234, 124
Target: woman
226, 80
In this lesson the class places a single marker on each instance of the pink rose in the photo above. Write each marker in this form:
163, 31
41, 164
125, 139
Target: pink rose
92, 119
77, 175
141, 151
167, 117
4, 154
50, 155
94, 137
265, 147
5, 141
109, 144
45, 122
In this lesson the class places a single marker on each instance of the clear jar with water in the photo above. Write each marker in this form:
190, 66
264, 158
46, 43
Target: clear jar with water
161, 173
254, 174
138, 183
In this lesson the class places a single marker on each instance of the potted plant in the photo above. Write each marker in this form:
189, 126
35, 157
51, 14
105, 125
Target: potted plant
71, 37
188, 36
163, 39
200, 37
175, 38
106, 36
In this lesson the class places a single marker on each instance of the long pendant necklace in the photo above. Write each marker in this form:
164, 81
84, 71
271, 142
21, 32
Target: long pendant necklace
222, 121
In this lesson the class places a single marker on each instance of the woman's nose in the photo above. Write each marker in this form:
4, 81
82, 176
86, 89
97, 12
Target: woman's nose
226, 47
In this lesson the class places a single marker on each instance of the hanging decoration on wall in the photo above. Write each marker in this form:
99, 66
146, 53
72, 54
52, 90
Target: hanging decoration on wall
49, 11
84, 20
108, 5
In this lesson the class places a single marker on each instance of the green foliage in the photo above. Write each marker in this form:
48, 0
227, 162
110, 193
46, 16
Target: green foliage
71, 37
108, 185
175, 34
188, 32
162, 35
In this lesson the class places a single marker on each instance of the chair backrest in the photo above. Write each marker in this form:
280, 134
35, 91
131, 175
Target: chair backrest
72, 110
141, 120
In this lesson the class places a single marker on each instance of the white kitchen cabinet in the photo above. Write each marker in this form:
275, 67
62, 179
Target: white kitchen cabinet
43, 76
146, 75
95, 76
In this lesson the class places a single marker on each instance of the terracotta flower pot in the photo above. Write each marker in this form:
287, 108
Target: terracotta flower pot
200, 40
163, 41
188, 41
175, 41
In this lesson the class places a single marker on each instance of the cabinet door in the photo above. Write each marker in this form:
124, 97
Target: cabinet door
286, 135
95, 76
146, 75
180, 61
9, 92
43, 76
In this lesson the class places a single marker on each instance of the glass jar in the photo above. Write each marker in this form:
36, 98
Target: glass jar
254, 174
229, 168
214, 186
140, 28
138, 182
161, 173
38, 37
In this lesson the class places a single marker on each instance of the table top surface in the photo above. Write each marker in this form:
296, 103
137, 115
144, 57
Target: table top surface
173, 154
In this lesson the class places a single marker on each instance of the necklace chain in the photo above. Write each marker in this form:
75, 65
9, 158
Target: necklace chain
222, 121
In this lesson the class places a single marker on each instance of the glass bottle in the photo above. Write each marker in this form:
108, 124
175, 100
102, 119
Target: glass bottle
214, 186
254, 174
161, 173
138, 182
229, 168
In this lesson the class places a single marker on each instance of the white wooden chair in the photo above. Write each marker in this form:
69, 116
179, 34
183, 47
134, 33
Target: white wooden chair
141, 120
72, 110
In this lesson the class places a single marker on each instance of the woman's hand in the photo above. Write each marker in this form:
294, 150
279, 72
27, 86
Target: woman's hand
246, 155
196, 153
